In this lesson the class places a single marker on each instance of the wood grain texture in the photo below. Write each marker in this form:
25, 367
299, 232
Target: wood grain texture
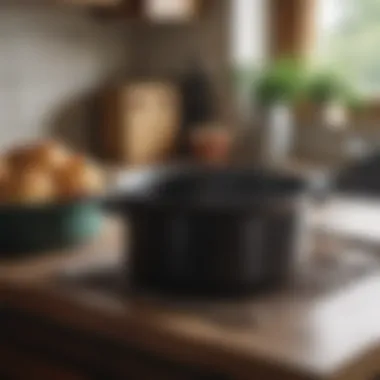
323, 326
104, 249
16, 364
86, 353
292, 25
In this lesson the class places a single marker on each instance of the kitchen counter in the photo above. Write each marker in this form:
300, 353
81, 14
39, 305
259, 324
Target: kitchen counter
72, 316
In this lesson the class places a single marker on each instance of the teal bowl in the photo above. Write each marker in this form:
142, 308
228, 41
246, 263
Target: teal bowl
39, 228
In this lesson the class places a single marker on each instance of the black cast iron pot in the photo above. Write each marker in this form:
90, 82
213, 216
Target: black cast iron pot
212, 232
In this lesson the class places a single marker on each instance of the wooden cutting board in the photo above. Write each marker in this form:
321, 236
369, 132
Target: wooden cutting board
141, 122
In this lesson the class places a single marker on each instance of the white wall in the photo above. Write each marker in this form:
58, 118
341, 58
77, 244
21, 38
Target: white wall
49, 57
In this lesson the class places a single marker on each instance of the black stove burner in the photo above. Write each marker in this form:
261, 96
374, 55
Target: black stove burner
322, 276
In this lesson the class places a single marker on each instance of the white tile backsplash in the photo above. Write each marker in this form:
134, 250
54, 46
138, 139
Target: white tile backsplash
48, 57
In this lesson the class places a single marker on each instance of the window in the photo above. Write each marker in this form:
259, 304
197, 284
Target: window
348, 39
248, 42
248, 32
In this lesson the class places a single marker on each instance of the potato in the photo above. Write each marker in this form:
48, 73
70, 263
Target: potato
4, 177
46, 172
4, 169
48, 155
18, 157
29, 186
79, 178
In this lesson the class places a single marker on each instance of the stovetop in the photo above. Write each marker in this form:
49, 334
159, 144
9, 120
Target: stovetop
317, 278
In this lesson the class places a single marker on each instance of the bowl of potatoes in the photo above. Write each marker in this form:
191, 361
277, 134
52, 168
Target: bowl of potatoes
49, 198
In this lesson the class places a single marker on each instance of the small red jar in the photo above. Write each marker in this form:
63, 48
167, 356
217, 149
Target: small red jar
211, 144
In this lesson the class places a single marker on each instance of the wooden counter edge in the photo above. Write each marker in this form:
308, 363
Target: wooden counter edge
142, 333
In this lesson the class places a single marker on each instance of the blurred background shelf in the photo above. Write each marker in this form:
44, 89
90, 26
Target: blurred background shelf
152, 11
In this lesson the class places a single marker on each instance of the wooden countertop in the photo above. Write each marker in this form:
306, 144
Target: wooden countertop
324, 325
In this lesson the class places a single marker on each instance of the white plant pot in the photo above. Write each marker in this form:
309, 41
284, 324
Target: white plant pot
276, 133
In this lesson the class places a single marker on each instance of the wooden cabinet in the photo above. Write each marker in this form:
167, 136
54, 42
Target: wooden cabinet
166, 11
35, 349
114, 9
171, 11
91, 3
17, 363
154, 11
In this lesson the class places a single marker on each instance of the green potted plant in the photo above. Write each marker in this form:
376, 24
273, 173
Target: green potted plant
275, 92
325, 86
279, 83
328, 95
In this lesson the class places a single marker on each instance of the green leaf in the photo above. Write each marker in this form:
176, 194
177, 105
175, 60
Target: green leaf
281, 82
326, 86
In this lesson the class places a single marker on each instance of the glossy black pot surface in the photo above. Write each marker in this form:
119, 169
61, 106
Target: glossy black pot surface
212, 232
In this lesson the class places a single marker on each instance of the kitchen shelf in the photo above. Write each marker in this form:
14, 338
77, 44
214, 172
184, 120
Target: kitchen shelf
132, 10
